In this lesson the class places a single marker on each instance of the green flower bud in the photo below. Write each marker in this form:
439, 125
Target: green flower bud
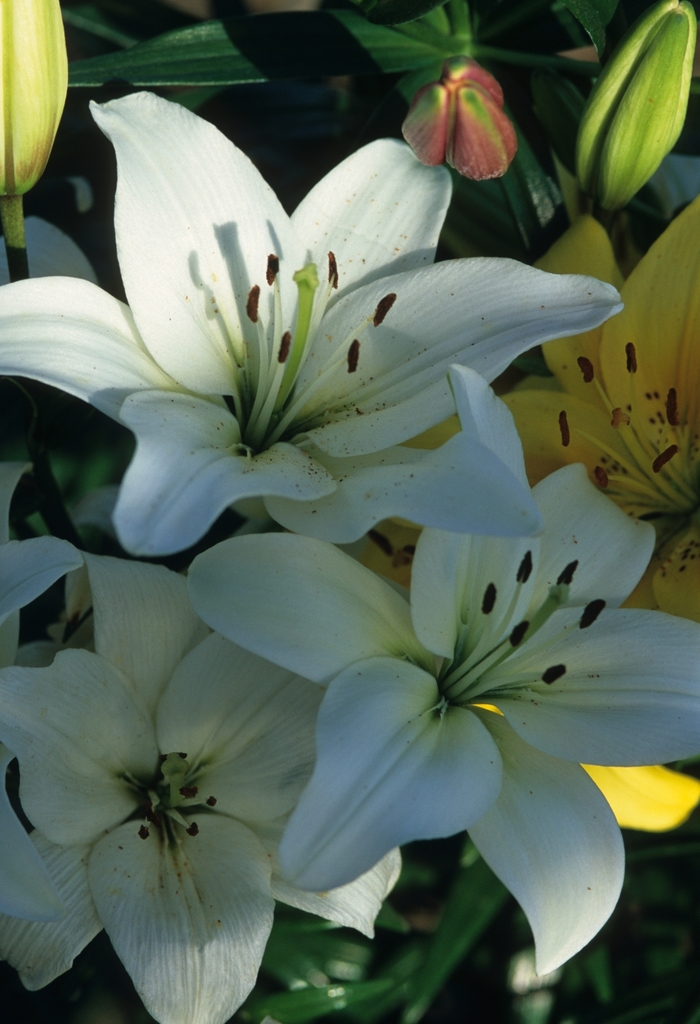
637, 107
33, 83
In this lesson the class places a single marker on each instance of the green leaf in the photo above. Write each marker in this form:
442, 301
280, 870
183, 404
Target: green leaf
535, 200
311, 1003
391, 919
475, 899
594, 15
558, 106
398, 12
256, 49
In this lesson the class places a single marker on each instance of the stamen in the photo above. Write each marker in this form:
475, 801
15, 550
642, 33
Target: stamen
382, 542
193, 830
251, 306
619, 416
273, 267
188, 792
332, 270
525, 568
567, 573
564, 429
151, 815
631, 354
144, 832
211, 801
353, 356
553, 673
586, 368
383, 308
601, 477
672, 407
285, 346
519, 632
591, 612
666, 456
489, 599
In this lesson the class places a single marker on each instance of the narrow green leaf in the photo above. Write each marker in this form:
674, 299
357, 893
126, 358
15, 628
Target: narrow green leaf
398, 12
475, 899
311, 1003
287, 45
594, 15
535, 200
391, 919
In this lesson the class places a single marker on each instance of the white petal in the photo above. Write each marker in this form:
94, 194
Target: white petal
76, 729
43, 951
553, 841
95, 509
10, 474
144, 622
190, 920
629, 695
460, 486
380, 212
249, 723
301, 603
581, 524
190, 253
29, 567
25, 887
50, 253
479, 313
37, 654
450, 576
76, 337
187, 470
391, 766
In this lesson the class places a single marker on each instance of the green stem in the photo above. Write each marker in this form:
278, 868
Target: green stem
587, 68
12, 216
459, 16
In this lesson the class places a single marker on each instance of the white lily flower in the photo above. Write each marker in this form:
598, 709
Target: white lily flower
277, 358
27, 569
476, 706
49, 252
159, 771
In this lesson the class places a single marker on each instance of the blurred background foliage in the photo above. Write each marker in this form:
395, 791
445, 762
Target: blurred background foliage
298, 90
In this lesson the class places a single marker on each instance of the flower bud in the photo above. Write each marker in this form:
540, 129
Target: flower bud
33, 81
460, 119
637, 107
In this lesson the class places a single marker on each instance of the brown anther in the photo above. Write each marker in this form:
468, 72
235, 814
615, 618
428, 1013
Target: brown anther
672, 407
525, 568
144, 832
489, 599
619, 416
193, 830
519, 632
564, 429
666, 456
382, 542
353, 356
211, 801
251, 306
151, 815
586, 368
383, 308
273, 266
601, 477
567, 573
591, 612
182, 755
188, 792
332, 270
285, 346
631, 354
162, 757
553, 673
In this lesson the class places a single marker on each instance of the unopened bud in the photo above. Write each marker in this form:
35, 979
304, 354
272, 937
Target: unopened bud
33, 84
460, 119
637, 107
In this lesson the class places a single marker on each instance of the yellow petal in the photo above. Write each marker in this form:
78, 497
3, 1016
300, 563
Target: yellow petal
436, 436
584, 249
677, 582
389, 550
653, 799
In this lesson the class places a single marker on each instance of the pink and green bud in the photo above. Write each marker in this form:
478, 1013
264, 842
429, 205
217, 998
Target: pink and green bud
460, 120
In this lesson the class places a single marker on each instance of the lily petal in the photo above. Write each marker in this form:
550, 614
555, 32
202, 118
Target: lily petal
250, 723
188, 254
29, 567
460, 486
43, 951
553, 841
380, 211
74, 336
26, 889
651, 798
187, 470
50, 253
301, 603
190, 920
144, 622
420, 772
10, 475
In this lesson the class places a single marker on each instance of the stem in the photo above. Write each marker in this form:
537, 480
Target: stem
459, 16
12, 216
536, 60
